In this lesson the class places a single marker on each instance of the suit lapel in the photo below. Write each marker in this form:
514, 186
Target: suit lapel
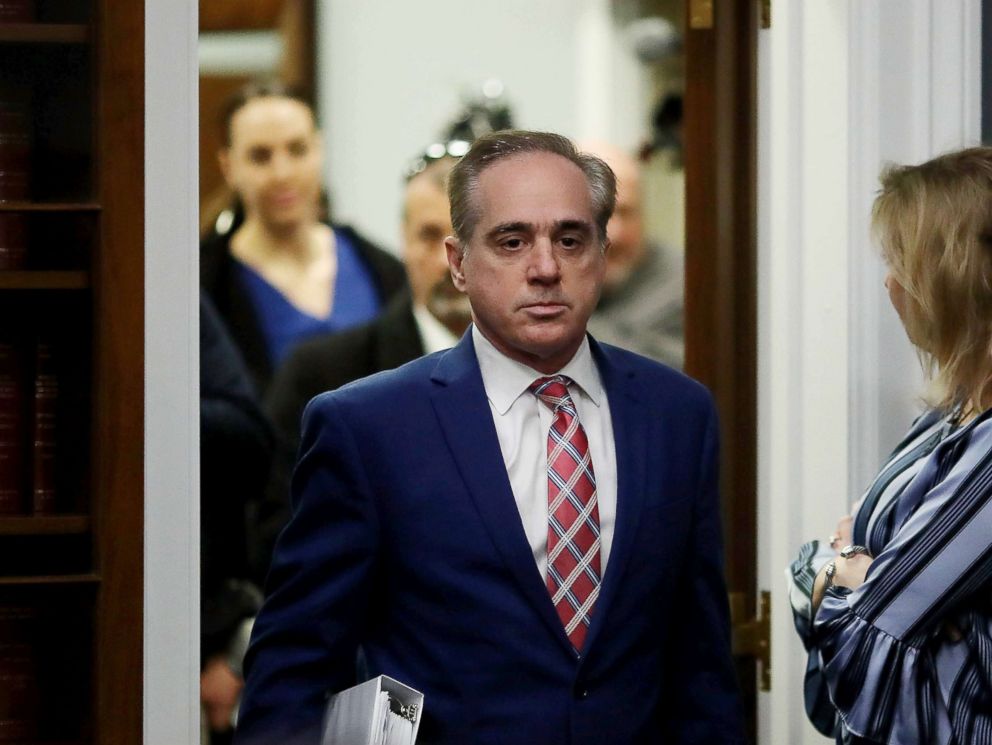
463, 410
630, 439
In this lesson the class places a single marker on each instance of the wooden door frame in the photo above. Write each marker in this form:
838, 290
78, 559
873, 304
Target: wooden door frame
721, 268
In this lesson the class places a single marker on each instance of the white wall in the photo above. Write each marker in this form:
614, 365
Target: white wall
842, 87
172, 527
391, 75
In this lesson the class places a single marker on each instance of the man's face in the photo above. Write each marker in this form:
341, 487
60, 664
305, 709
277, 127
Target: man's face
534, 265
426, 223
274, 161
626, 227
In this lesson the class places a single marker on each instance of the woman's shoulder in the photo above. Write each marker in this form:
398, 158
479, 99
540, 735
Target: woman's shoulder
388, 270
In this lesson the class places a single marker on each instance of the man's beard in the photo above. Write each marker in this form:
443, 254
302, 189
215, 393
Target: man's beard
450, 306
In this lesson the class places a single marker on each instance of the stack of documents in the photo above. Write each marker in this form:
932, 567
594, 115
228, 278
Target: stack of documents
381, 711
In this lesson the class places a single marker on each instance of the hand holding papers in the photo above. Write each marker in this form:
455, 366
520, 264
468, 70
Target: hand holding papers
381, 711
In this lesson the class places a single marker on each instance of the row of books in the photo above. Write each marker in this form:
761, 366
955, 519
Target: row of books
15, 159
16, 11
20, 699
29, 391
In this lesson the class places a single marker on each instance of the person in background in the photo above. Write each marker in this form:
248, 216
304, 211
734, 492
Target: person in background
282, 275
430, 318
641, 307
236, 445
524, 527
895, 608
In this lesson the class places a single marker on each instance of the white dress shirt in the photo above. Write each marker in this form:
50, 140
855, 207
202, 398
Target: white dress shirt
435, 336
522, 424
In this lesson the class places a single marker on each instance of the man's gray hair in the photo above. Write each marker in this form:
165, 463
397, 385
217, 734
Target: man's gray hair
463, 181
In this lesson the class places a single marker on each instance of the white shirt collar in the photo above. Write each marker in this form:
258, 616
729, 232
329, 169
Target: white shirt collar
434, 334
505, 379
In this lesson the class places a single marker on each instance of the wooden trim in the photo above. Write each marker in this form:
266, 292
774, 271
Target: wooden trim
118, 406
720, 135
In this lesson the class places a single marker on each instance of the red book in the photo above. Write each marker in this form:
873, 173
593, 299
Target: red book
12, 434
13, 240
20, 700
46, 394
15, 141
16, 11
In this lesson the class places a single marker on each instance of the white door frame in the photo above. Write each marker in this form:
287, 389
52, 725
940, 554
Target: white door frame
172, 402
842, 87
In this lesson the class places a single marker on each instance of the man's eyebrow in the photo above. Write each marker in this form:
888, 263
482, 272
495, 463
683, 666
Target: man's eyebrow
509, 227
581, 225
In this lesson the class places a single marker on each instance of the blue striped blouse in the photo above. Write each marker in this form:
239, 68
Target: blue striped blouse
907, 657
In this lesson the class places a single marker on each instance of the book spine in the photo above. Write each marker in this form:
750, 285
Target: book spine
15, 142
46, 393
13, 240
16, 11
12, 435
20, 700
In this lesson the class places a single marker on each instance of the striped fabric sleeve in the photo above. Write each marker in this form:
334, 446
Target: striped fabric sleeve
884, 649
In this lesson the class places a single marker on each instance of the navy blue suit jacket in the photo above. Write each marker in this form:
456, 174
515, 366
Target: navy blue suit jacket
406, 540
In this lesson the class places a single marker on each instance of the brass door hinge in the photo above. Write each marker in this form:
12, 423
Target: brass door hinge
751, 637
766, 13
700, 14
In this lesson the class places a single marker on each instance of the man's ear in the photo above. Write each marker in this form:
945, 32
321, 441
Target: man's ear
456, 257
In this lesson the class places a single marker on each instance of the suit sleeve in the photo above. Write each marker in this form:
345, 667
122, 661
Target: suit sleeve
703, 697
318, 593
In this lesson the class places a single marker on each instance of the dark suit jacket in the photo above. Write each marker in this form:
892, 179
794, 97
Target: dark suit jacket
218, 276
321, 364
235, 449
406, 540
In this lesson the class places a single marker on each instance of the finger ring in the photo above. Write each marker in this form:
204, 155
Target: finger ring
834, 540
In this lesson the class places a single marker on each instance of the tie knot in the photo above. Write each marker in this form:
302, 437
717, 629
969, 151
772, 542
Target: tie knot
553, 391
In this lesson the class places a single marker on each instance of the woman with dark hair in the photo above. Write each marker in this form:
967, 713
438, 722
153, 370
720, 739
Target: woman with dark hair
282, 275
896, 608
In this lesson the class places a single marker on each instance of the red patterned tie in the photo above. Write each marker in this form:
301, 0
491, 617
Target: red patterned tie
573, 515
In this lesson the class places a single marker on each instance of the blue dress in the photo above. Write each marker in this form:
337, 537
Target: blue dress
907, 657
283, 325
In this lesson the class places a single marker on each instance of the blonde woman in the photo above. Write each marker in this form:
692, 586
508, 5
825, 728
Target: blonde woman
897, 611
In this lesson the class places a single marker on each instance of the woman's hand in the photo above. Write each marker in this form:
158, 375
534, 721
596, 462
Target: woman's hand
849, 573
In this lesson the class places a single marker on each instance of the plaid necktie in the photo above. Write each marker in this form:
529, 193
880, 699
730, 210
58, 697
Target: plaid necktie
573, 515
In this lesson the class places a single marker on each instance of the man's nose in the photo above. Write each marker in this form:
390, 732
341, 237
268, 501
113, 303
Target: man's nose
543, 263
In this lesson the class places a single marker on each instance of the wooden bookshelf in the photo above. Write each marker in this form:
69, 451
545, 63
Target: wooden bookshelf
44, 33
44, 525
75, 282
51, 579
15, 206
44, 280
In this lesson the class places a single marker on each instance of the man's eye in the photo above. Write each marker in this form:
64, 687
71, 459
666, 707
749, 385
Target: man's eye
570, 241
513, 244
299, 149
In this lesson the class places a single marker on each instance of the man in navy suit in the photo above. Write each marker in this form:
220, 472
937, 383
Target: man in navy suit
525, 527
